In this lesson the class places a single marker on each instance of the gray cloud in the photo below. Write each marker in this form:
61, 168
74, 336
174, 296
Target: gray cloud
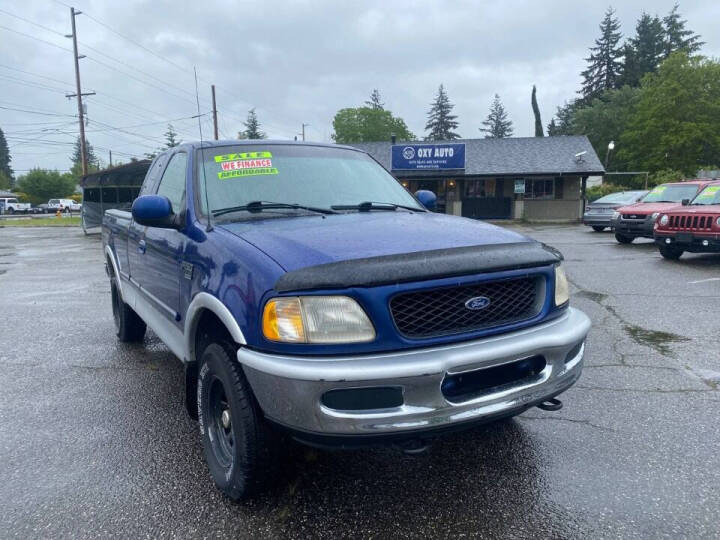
295, 62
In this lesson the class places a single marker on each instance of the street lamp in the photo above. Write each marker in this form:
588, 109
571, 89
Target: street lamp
611, 147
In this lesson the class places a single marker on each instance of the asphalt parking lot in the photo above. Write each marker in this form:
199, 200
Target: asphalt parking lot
94, 439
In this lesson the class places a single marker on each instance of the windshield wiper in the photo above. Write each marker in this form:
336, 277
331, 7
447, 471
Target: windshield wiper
366, 206
259, 206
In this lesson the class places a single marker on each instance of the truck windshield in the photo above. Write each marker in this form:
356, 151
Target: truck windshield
671, 193
709, 195
304, 176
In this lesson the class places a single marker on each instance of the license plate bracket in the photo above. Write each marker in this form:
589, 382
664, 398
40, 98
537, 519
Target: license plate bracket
685, 238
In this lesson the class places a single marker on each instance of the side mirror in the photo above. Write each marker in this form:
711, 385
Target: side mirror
427, 198
685, 202
154, 211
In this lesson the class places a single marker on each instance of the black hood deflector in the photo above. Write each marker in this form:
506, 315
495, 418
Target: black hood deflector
421, 265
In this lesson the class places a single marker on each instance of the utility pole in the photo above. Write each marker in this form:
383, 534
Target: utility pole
214, 112
110, 152
78, 93
303, 130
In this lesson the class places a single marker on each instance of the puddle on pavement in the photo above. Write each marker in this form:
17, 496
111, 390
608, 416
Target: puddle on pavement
660, 341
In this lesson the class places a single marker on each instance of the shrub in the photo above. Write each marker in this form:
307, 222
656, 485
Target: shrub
595, 192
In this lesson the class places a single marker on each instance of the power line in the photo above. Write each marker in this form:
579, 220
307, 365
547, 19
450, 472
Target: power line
35, 38
37, 112
35, 75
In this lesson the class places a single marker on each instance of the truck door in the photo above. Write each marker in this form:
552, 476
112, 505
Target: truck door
156, 253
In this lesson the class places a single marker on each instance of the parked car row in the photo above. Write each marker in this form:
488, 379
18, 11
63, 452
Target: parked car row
679, 216
11, 205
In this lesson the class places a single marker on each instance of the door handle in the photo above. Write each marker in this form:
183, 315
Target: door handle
141, 246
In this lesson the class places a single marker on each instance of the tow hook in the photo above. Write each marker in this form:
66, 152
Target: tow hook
553, 404
413, 447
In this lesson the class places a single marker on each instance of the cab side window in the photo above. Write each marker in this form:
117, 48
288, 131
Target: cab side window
172, 183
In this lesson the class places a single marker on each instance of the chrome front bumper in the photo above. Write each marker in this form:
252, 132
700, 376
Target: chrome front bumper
289, 389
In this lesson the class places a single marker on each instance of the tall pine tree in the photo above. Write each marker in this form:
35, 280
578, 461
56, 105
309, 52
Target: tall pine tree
562, 122
536, 112
93, 162
604, 61
497, 125
441, 122
171, 137
374, 101
677, 37
252, 127
5, 159
644, 51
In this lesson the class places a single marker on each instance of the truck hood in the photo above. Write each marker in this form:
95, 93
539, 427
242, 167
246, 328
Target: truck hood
300, 242
645, 209
696, 209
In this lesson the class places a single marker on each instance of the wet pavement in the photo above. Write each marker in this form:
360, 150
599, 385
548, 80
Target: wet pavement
94, 440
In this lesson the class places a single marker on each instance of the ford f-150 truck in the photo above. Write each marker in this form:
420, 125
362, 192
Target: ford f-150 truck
637, 220
310, 295
694, 227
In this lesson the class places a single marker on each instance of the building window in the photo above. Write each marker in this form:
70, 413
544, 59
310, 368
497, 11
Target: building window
540, 188
480, 188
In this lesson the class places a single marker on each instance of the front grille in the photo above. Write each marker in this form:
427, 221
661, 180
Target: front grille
694, 222
439, 312
638, 217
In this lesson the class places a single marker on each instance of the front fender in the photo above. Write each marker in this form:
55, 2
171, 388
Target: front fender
205, 301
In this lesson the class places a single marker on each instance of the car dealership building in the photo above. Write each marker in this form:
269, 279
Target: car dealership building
532, 178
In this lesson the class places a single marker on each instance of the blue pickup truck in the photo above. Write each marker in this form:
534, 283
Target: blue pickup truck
309, 295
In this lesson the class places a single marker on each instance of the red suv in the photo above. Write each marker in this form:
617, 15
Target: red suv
694, 227
637, 220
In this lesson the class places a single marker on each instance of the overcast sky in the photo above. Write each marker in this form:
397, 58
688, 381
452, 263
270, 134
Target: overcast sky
295, 62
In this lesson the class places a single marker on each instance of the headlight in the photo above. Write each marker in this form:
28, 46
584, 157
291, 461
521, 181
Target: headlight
616, 215
316, 319
654, 216
717, 222
562, 290
664, 220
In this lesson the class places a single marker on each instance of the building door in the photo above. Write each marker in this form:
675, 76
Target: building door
483, 199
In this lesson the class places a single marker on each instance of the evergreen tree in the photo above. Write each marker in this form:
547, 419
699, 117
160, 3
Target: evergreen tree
93, 163
441, 122
374, 101
677, 37
536, 112
252, 127
171, 139
552, 128
644, 51
603, 63
5, 158
562, 123
497, 125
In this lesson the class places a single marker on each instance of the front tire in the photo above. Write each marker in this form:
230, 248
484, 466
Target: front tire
624, 239
11, 211
672, 254
240, 449
129, 327
598, 228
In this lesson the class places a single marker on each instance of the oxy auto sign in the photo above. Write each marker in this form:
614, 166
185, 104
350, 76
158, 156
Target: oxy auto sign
428, 156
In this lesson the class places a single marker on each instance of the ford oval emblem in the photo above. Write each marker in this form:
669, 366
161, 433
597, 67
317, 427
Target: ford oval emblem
477, 303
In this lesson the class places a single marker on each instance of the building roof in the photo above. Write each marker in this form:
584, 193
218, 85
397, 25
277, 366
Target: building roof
512, 156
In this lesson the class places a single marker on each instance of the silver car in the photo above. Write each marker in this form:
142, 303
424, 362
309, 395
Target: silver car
599, 212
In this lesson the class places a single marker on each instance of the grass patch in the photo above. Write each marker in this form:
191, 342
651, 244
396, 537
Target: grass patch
41, 222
